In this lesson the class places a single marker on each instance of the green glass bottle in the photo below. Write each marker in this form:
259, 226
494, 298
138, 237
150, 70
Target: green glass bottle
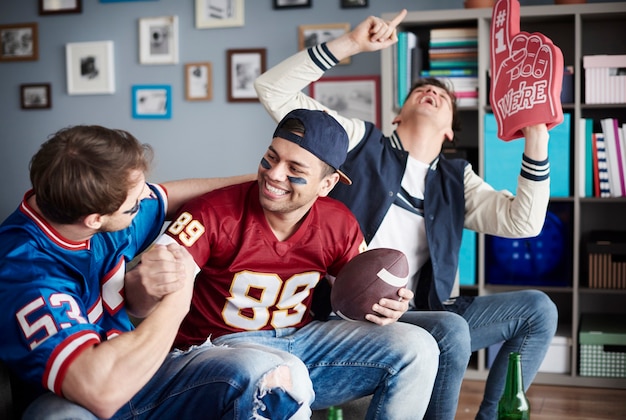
514, 405
338, 413
335, 413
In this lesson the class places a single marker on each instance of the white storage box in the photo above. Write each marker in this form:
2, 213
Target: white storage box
605, 79
557, 360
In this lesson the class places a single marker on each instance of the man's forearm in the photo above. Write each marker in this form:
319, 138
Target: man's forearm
179, 192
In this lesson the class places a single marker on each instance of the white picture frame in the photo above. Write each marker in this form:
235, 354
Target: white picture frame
219, 13
158, 40
90, 68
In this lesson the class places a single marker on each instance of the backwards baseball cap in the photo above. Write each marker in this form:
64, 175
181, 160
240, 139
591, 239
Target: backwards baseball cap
323, 136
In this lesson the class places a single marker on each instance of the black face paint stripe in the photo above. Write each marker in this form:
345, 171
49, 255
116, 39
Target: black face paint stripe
293, 179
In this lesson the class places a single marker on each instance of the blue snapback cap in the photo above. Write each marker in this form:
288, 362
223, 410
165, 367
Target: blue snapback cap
323, 136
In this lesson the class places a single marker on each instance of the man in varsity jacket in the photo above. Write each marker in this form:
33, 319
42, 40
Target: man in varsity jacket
407, 195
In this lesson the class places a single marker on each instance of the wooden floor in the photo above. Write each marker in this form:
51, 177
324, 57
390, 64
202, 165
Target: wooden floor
554, 402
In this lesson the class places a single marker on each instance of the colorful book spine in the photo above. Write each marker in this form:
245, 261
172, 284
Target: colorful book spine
449, 72
588, 167
603, 168
452, 64
402, 59
613, 156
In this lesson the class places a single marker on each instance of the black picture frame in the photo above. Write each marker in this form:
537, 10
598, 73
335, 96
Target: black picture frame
52, 7
243, 67
291, 4
351, 4
36, 96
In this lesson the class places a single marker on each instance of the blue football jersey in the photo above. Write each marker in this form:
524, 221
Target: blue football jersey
58, 297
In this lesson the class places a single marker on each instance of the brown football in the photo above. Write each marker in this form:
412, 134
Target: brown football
364, 280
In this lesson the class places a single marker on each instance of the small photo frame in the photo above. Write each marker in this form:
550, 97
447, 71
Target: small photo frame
351, 96
219, 13
19, 42
349, 4
90, 68
244, 66
158, 40
36, 96
311, 35
57, 7
290, 4
198, 81
152, 101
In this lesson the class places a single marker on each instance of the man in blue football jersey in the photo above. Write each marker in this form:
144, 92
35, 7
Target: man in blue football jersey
65, 296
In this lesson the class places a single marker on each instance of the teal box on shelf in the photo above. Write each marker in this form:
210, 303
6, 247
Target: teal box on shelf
467, 259
602, 339
503, 160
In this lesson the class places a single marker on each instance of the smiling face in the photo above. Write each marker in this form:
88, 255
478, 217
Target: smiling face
291, 178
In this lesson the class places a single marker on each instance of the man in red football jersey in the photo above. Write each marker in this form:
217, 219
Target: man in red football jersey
406, 195
261, 249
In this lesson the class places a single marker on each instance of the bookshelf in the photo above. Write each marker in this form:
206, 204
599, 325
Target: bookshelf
579, 30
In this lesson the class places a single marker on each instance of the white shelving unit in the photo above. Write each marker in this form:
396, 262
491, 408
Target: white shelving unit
579, 30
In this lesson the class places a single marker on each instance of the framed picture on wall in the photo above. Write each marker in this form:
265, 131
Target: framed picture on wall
158, 40
198, 81
244, 66
348, 4
219, 13
19, 42
351, 96
290, 4
35, 96
311, 35
55, 7
152, 101
90, 68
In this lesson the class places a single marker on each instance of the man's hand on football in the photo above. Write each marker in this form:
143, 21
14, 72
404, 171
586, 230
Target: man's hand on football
390, 310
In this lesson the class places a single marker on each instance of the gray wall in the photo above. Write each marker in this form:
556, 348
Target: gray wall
214, 138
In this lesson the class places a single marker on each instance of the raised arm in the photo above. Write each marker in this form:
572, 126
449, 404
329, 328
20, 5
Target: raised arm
280, 88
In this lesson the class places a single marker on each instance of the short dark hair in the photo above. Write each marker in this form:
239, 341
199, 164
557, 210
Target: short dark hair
85, 169
432, 81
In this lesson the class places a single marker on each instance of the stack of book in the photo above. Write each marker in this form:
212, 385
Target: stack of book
453, 55
602, 158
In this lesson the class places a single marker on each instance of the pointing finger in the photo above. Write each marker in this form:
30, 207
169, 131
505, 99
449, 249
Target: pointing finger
399, 18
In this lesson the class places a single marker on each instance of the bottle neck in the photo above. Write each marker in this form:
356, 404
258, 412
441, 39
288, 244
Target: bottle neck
514, 381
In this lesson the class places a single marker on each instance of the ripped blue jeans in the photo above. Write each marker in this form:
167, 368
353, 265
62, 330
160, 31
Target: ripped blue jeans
209, 382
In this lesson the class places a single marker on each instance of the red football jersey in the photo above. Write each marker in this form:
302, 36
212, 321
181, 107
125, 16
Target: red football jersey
249, 280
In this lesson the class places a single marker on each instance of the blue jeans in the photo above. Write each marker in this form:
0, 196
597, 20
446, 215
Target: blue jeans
205, 382
525, 320
346, 360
